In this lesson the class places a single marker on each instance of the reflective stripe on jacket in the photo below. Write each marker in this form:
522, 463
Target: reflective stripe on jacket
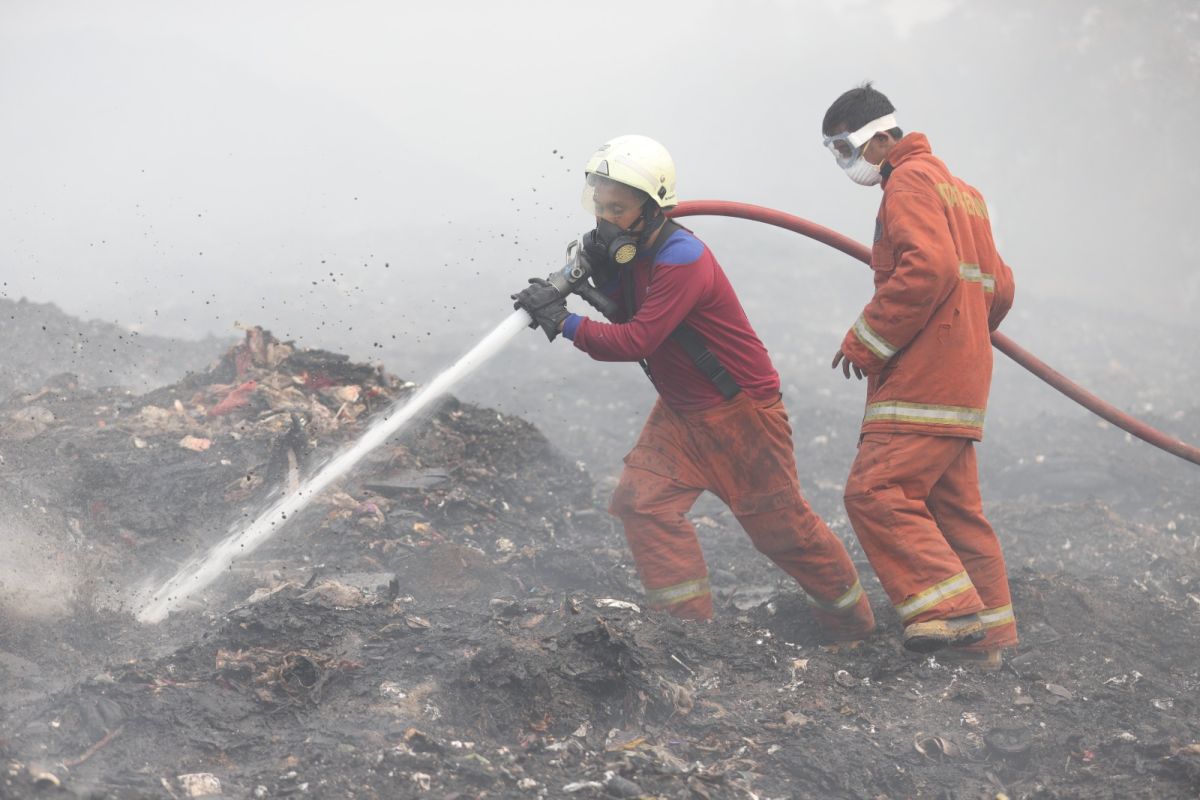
940, 289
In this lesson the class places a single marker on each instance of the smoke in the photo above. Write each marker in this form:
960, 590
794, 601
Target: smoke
39, 576
181, 169
377, 181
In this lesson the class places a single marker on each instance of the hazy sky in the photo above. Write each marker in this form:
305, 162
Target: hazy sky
176, 166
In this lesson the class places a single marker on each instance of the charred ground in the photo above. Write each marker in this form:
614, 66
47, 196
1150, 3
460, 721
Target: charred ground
455, 619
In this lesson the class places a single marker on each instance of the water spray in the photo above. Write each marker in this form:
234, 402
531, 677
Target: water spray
198, 573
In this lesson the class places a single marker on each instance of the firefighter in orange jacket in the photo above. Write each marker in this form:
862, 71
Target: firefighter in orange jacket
923, 341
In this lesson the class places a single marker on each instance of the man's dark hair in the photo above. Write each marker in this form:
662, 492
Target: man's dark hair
856, 108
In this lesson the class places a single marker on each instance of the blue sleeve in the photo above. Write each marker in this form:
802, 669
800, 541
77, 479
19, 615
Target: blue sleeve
681, 248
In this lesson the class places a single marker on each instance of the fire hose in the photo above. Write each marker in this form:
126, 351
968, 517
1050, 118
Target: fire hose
1091, 402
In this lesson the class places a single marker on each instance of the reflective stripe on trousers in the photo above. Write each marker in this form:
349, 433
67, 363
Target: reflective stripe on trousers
841, 605
934, 595
900, 411
680, 592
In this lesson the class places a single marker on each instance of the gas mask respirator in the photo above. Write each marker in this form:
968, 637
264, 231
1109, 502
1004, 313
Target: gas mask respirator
610, 244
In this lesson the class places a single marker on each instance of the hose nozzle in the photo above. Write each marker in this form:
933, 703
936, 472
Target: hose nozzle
573, 279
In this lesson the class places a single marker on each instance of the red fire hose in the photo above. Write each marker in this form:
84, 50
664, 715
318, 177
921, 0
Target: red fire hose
1091, 402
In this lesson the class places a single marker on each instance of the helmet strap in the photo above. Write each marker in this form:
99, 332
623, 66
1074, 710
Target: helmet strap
652, 218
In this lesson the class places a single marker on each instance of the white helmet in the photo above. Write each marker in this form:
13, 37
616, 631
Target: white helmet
638, 162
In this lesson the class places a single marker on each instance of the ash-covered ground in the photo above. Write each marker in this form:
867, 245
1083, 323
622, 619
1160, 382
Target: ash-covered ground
458, 618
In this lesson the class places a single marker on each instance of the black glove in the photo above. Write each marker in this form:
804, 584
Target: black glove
544, 304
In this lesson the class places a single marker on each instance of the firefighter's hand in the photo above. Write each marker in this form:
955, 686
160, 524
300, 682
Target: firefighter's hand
550, 318
847, 365
539, 294
546, 307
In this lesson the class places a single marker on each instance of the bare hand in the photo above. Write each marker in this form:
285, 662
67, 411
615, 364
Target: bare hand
847, 364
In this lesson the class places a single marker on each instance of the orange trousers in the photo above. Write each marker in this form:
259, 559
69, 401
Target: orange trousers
914, 502
742, 452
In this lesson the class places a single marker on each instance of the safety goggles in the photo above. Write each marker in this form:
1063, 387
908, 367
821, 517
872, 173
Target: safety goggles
846, 146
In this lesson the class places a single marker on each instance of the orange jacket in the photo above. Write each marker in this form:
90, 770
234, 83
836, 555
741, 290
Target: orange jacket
940, 289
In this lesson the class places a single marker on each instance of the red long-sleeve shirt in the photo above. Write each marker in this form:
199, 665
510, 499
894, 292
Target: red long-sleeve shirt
685, 283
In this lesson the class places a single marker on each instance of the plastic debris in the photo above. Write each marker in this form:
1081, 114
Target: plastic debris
618, 739
934, 746
579, 786
1060, 691
199, 784
335, 594
237, 397
747, 598
196, 443
407, 483
393, 690
43, 778
622, 605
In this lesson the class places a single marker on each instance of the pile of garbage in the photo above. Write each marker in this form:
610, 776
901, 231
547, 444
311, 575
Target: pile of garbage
459, 618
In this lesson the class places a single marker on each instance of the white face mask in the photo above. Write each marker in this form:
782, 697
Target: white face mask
863, 172
847, 147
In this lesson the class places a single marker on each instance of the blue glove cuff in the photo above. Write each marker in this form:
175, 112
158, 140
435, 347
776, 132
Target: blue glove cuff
570, 325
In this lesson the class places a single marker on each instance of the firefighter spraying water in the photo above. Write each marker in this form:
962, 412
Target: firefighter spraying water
719, 424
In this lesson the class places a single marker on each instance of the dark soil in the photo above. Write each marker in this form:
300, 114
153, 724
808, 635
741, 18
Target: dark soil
443, 624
